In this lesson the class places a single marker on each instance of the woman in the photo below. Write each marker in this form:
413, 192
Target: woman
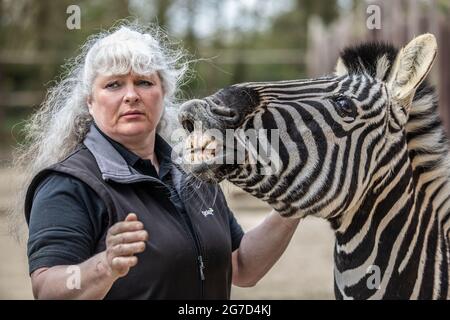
103, 194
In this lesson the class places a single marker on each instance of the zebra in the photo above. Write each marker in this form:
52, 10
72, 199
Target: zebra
363, 148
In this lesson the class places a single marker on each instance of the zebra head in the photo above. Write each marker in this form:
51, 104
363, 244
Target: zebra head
337, 134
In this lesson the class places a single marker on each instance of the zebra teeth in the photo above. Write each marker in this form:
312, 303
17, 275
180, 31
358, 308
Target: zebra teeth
200, 147
211, 147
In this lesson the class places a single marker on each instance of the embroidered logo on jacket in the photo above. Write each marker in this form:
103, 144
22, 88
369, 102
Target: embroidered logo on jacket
208, 212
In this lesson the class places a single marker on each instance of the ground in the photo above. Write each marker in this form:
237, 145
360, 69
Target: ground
305, 271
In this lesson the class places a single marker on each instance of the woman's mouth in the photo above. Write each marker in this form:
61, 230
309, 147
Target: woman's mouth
132, 114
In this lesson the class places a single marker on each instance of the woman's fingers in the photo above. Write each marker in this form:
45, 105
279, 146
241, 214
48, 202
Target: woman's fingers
131, 217
122, 264
128, 237
124, 250
123, 241
125, 226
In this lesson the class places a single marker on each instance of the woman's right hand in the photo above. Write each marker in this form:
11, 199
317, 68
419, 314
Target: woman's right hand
123, 240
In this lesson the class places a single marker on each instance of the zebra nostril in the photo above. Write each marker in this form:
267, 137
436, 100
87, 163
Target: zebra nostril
223, 111
188, 125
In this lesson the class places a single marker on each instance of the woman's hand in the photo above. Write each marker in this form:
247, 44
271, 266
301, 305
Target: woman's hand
261, 247
123, 240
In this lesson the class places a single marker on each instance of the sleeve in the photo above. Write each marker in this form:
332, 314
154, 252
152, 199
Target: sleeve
66, 221
236, 230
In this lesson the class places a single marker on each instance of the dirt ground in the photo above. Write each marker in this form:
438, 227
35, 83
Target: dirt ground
305, 271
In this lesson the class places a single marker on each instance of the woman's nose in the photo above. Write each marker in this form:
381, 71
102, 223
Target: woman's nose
131, 95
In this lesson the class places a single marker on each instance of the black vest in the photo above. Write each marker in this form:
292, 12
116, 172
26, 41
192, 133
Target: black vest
177, 263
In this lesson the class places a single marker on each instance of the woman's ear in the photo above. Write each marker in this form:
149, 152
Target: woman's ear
412, 65
89, 104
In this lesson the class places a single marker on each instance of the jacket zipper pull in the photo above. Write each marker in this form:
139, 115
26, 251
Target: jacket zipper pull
201, 267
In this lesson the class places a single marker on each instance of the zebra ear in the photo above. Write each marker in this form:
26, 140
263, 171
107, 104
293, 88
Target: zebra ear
411, 66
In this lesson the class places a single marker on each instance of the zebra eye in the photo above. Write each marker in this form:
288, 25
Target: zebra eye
344, 106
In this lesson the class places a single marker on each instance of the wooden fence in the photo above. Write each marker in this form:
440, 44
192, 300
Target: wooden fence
400, 22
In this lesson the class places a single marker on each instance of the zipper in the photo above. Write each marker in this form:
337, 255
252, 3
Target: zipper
197, 245
200, 263
187, 222
201, 267
191, 230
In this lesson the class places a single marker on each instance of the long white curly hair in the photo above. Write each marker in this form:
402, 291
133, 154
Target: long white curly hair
63, 120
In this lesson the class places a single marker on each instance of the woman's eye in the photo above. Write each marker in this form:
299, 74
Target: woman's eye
112, 85
145, 83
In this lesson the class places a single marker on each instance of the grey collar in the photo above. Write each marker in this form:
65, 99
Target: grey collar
111, 164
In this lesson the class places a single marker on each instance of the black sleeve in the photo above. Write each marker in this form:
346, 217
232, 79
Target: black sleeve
67, 219
236, 230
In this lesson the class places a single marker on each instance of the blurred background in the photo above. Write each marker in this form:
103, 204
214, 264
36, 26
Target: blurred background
234, 41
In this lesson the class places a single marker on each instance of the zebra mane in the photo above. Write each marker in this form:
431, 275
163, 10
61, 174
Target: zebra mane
374, 58
424, 129
425, 133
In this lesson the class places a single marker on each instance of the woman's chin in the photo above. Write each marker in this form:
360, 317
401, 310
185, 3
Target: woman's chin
136, 129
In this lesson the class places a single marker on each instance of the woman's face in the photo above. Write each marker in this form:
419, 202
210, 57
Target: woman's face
127, 107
